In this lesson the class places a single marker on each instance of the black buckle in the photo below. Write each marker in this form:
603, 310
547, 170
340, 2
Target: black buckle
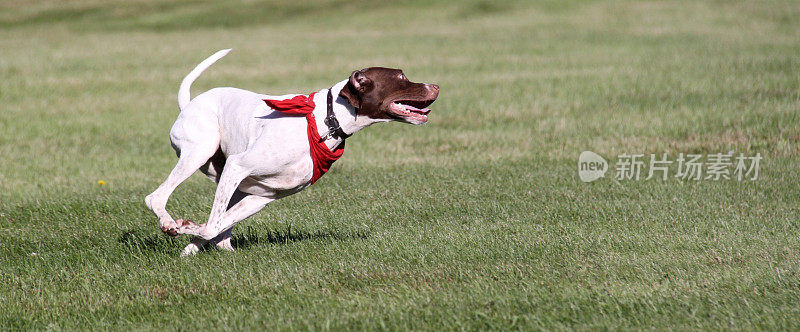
334, 129
332, 123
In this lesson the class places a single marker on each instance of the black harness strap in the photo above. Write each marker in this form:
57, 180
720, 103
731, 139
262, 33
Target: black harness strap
334, 130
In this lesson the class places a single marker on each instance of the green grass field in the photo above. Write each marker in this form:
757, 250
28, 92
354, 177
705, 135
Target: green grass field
476, 220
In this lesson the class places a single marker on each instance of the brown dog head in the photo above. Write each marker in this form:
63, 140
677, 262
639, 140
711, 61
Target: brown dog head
386, 93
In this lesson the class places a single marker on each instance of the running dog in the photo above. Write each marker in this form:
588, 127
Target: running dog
259, 148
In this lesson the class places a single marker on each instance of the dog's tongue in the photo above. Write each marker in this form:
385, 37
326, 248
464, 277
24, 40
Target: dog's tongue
412, 108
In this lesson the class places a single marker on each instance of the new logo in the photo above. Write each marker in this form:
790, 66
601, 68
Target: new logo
591, 166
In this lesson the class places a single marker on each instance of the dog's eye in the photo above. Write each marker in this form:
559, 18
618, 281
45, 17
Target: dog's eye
403, 76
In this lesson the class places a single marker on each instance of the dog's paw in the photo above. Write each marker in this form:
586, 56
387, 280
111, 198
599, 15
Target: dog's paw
186, 226
193, 247
190, 250
225, 245
169, 227
171, 231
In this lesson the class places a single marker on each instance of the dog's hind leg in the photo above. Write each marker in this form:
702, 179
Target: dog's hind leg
196, 142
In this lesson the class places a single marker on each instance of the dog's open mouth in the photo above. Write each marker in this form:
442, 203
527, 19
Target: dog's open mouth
412, 111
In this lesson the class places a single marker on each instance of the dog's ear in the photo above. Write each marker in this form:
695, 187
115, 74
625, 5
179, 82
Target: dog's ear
355, 87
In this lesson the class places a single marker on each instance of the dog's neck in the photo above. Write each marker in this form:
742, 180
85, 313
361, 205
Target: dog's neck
345, 114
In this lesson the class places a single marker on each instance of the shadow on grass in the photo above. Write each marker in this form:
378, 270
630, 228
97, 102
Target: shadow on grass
250, 237
241, 240
147, 241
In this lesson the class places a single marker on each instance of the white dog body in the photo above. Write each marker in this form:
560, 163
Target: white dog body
275, 151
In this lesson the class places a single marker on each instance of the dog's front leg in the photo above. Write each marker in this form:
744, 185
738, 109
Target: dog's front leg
232, 175
240, 211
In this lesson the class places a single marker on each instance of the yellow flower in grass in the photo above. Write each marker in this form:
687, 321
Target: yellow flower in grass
101, 182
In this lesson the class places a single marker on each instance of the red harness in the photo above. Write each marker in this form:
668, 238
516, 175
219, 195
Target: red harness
321, 156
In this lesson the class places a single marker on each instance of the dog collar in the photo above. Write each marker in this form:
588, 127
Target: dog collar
334, 129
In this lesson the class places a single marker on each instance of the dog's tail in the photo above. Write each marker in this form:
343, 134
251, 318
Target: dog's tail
185, 91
